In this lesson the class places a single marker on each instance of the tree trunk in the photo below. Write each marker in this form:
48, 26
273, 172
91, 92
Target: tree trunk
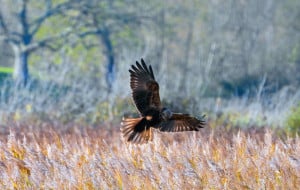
109, 52
188, 44
20, 74
110, 71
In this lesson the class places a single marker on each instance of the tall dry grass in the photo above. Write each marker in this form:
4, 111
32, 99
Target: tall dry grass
97, 158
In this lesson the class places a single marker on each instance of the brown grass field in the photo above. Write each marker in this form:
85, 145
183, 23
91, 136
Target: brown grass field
97, 158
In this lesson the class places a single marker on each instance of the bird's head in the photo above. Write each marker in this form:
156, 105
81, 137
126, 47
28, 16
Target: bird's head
166, 113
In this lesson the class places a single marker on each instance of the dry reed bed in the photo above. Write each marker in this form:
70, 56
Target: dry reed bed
98, 159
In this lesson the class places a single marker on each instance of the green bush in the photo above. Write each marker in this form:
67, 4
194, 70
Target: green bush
3, 77
293, 121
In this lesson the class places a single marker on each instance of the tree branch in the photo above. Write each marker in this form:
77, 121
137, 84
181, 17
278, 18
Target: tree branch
8, 36
11, 37
23, 17
50, 11
90, 32
3, 24
46, 42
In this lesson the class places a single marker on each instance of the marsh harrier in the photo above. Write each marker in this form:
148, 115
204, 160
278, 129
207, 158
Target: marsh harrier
145, 93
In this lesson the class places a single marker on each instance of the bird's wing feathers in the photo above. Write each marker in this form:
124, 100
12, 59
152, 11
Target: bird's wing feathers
181, 122
145, 90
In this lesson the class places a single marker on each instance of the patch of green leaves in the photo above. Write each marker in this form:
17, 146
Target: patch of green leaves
293, 121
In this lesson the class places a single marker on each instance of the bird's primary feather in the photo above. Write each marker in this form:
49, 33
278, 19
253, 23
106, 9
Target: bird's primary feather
181, 122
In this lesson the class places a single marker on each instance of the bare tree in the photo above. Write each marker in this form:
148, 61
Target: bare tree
20, 23
108, 20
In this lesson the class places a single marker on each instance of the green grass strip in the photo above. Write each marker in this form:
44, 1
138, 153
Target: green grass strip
8, 70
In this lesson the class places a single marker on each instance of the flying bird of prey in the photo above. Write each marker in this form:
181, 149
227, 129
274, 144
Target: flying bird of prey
145, 94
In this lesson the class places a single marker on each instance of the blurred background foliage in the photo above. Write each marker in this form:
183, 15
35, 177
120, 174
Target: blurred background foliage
68, 60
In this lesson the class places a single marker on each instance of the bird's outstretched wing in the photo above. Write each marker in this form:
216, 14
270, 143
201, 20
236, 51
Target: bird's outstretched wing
145, 90
181, 122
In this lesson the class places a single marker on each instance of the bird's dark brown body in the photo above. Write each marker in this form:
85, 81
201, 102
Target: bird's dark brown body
145, 93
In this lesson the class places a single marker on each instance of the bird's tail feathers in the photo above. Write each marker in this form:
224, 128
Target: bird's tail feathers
136, 130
